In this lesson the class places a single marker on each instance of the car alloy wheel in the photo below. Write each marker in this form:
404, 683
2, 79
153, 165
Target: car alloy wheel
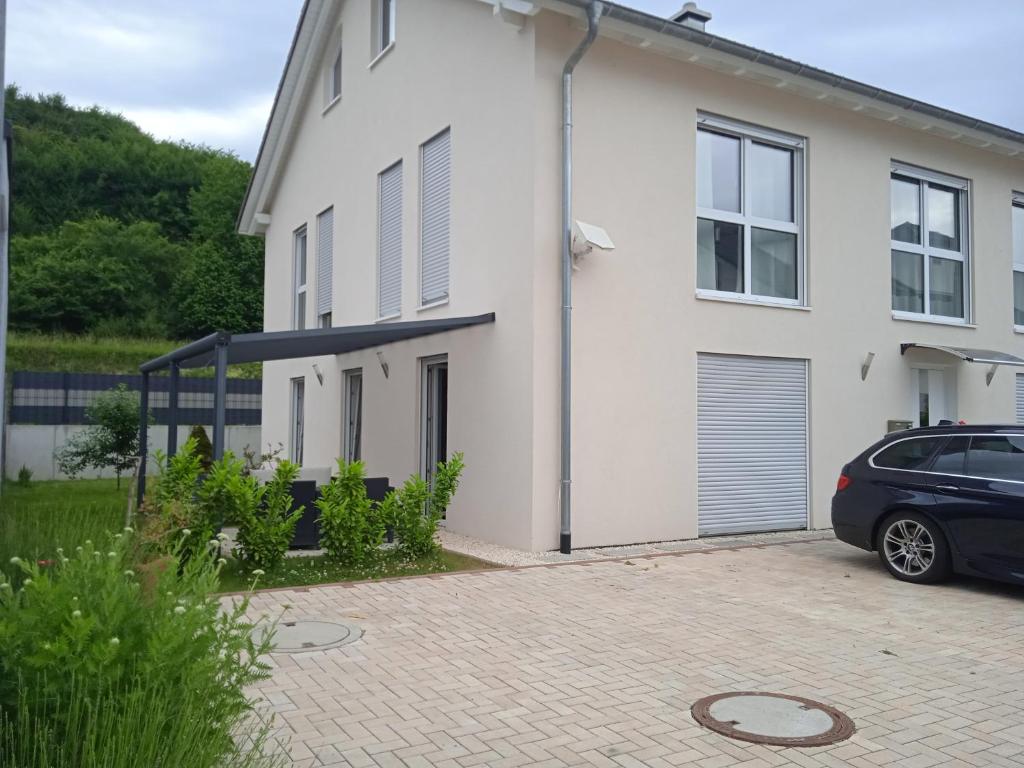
909, 547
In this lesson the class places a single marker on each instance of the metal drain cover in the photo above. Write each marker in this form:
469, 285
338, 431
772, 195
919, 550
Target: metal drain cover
309, 635
773, 718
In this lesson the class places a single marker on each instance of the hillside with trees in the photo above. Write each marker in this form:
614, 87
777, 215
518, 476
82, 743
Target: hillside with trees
114, 233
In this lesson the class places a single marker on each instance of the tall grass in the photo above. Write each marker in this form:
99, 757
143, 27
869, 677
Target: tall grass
98, 354
36, 520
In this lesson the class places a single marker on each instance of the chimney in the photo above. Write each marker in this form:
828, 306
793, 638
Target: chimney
693, 17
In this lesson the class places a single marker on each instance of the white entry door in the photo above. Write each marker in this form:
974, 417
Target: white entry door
751, 444
934, 396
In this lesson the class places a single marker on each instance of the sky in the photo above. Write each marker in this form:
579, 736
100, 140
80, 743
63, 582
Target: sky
205, 71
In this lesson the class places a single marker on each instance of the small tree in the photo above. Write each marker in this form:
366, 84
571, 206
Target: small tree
204, 448
111, 440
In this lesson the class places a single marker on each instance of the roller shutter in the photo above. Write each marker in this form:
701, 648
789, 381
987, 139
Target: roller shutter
1020, 398
435, 202
389, 243
751, 444
324, 260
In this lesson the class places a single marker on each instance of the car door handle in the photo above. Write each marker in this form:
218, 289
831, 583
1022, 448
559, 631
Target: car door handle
947, 488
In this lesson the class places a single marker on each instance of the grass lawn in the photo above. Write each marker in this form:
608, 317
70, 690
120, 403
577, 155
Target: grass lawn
303, 571
36, 519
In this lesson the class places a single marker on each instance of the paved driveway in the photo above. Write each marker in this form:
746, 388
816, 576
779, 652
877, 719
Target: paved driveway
598, 663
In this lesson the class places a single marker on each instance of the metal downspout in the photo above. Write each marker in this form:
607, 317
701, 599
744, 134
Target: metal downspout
594, 11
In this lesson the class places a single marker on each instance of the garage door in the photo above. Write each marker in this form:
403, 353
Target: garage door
751, 444
1020, 398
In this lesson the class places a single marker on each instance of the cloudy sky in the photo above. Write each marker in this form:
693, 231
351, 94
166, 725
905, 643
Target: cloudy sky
205, 70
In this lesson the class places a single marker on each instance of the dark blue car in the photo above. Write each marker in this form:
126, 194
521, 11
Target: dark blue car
936, 500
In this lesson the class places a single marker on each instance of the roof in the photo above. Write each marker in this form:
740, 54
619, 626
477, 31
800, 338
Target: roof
654, 33
312, 342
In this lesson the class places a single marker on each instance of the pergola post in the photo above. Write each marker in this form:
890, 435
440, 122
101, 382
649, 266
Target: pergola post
220, 394
143, 437
172, 410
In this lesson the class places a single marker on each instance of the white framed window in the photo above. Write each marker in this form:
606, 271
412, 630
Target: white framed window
298, 420
389, 242
324, 266
352, 442
299, 279
383, 26
433, 415
332, 78
1017, 213
929, 245
750, 212
435, 218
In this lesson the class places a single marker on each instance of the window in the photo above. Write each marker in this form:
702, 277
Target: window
951, 459
434, 416
749, 212
912, 454
435, 217
1017, 212
929, 244
324, 266
996, 457
299, 280
389, 242
353, 409
332, 79
383, 26
297, 431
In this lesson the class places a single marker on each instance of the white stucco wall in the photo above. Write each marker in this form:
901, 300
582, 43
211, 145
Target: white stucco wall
34, 445
638, 326
424, 84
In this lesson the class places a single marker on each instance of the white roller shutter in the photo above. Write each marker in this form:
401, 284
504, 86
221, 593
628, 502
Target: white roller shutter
389, 257
1020, 398
435, 208
324, 260
751, 444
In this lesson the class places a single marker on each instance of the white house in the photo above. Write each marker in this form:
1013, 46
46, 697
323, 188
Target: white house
801, 263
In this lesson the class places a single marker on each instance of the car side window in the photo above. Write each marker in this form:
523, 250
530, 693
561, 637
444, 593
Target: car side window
952, 459
1000, 457
912, 454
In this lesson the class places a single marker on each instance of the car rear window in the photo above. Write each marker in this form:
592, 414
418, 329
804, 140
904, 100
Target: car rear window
912, 453
1000, 457
952, 459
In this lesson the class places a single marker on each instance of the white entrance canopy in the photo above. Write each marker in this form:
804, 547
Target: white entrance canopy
984, 356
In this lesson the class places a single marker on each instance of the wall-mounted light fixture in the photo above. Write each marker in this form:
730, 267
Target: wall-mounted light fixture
866, 366
383, 363
319, 374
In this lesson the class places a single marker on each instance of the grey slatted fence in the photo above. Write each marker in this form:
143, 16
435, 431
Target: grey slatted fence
62, 398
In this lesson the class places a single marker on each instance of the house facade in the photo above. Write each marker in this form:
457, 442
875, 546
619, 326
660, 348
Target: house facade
794, 255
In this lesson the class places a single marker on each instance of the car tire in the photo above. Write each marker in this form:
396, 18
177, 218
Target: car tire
913, 548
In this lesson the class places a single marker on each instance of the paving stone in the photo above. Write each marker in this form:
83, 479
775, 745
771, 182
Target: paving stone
599, 663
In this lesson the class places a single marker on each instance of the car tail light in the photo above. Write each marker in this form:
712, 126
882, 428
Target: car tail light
844, 482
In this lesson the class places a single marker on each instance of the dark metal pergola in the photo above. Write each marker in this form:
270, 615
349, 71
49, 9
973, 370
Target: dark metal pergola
222, 349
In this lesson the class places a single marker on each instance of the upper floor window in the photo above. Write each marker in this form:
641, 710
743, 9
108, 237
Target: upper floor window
929, 243
435, 218
299, 280
389, 242
1017, 211
383, 25
324, 266
749, 212
332, 79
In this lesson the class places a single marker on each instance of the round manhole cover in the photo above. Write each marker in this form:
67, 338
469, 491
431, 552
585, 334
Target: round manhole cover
773, 718
308, 635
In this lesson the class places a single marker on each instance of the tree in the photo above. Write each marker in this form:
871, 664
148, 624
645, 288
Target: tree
111, 440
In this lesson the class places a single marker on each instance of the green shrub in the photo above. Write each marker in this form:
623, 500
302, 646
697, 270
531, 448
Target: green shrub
103, 666
266, 522
24, 476
414, 510
351, 530
204, 448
